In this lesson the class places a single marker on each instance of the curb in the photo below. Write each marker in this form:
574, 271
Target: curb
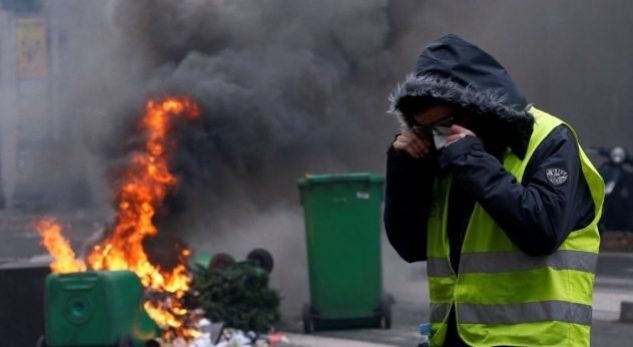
301, 340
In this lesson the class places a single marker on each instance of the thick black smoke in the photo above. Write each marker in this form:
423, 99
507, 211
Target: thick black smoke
286, 88
294, 87
290, 87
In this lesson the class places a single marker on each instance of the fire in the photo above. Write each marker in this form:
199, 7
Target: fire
144, 184
58, 247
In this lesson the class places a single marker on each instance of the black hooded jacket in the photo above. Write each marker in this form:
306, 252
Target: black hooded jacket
536, 214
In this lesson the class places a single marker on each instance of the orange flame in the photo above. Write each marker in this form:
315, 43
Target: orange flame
58, 247
145, 183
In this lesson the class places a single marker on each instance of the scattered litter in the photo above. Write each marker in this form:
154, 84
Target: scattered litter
232, 337
276, 338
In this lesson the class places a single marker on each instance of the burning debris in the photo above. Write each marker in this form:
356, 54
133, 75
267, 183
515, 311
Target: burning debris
144, 184
58, 247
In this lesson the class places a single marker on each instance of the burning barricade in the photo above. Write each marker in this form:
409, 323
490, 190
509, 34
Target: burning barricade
127, 299
145, 183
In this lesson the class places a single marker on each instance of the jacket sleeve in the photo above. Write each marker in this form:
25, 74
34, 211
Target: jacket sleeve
409, 183
538, 213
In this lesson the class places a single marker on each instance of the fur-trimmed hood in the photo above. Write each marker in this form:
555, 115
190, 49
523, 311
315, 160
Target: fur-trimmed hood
458, 72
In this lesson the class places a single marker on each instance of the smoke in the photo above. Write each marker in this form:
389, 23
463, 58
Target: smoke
286, 88
291, 87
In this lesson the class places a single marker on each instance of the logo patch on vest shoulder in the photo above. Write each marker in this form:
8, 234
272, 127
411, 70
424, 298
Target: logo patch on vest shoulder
556, 176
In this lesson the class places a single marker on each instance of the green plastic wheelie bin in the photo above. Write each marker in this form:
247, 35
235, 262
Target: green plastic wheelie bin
342, 224
96, 308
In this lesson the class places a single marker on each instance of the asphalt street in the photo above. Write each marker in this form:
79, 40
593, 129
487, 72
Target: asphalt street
407, 283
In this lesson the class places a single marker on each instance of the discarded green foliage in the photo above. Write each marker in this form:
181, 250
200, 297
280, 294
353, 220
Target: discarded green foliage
237, 295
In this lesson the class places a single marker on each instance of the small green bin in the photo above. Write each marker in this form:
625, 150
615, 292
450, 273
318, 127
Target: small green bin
342, 222
96, 308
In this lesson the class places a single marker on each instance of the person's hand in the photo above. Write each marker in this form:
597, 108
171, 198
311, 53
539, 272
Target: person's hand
416, 145
456, 133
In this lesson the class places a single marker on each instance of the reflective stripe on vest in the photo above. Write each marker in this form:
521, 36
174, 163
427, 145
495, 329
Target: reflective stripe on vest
516, 313
514, 261
519, 261
525, 313
439, 312
501, 295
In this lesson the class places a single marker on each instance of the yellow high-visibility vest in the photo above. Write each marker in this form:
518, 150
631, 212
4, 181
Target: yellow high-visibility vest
502, 296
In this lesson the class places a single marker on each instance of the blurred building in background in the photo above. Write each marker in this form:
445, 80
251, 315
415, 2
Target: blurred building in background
34, 175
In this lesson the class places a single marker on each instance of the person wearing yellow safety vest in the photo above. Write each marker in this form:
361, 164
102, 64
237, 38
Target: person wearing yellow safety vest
498, 198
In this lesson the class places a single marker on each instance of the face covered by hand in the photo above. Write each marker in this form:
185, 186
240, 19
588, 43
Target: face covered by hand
440, 133
436, 122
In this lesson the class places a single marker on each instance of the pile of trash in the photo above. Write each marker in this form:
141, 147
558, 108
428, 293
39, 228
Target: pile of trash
237, 338
237, 294
217, 335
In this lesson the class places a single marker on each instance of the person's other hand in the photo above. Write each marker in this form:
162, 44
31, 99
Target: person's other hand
456, 133
416, 145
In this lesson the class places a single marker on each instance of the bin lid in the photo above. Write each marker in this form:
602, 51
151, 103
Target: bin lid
364, 177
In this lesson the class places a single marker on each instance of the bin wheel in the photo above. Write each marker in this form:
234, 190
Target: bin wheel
308, 323
261, 258
41, 341
125, 341
385, 308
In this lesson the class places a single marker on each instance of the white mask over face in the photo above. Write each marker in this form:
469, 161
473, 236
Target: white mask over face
440, 133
